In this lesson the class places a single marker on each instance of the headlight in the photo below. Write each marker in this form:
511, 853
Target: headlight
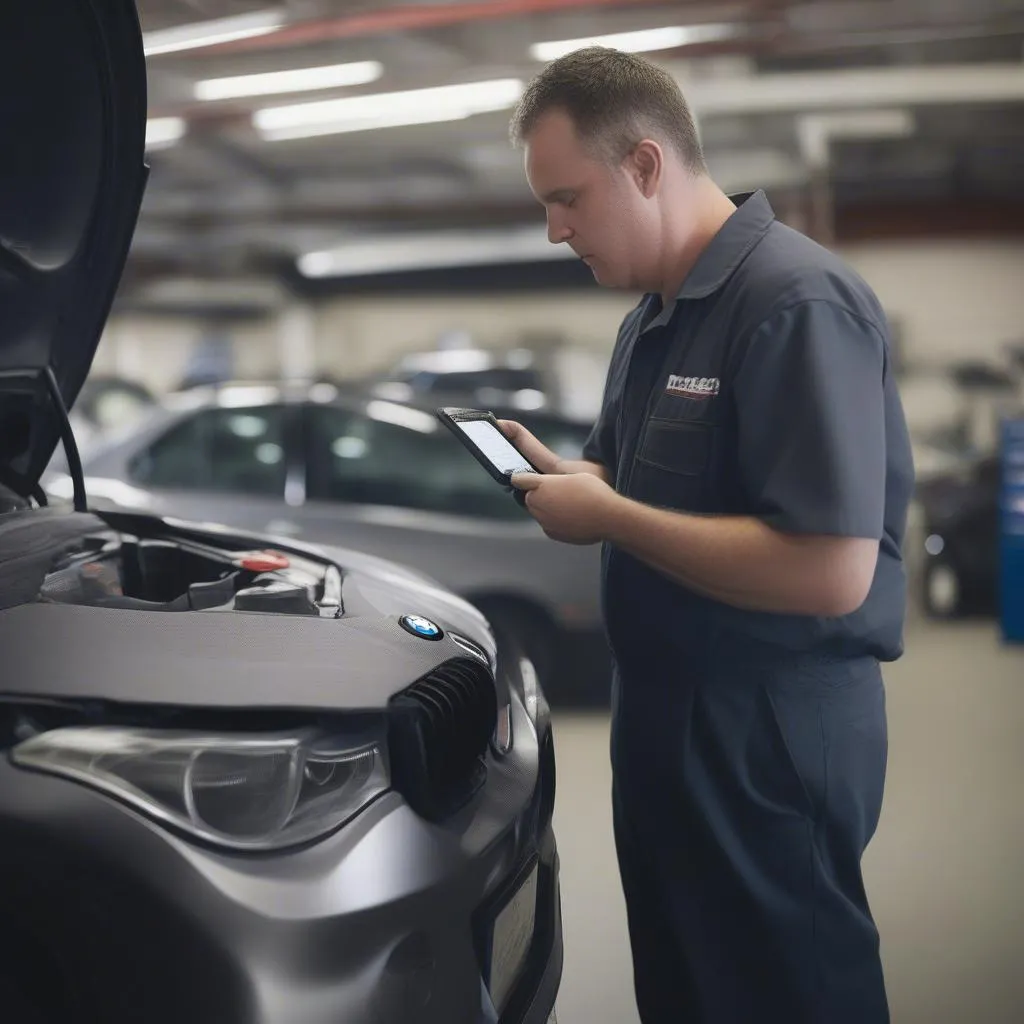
247, 792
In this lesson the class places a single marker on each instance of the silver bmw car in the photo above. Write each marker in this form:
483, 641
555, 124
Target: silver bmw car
242, 780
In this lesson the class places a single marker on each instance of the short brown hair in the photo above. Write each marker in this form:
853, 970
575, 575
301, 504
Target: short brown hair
615, 100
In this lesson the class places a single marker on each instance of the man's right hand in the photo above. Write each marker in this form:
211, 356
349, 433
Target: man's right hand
543, 457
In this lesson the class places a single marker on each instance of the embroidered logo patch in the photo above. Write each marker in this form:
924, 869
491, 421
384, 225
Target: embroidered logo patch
693, 387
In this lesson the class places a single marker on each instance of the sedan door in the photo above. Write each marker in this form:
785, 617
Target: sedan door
222, 465
389, 480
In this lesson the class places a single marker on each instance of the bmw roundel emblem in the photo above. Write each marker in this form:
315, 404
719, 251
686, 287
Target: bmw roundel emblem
421, 627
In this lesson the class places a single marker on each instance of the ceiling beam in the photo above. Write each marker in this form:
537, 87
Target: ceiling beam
345, 218
863, 88
876, 222
236, 160
855, 219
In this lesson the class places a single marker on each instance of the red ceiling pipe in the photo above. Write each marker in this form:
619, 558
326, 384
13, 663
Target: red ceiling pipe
411, 18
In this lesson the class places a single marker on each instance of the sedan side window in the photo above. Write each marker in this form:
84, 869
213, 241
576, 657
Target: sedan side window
233, 451
401, 457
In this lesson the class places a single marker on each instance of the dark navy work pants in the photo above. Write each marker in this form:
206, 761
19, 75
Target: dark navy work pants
743, 802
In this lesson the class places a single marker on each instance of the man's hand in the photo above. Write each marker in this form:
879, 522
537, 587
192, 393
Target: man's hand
574, 508
538, 453
543, 457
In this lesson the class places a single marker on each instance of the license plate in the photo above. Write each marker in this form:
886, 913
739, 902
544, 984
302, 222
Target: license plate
511, 940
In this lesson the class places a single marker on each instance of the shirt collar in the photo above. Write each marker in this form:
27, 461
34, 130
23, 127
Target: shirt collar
733, 242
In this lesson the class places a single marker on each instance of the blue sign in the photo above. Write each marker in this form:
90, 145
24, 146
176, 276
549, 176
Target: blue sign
1011, 532
421, 627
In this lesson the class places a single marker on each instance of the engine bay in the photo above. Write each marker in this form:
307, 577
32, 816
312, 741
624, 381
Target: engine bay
156, 574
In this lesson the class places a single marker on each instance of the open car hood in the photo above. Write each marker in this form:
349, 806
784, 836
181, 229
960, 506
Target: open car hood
72, 175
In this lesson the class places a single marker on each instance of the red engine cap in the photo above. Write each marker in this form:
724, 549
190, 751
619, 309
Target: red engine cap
263, 561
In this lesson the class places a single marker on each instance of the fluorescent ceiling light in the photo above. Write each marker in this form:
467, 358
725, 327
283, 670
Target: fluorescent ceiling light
164, 131
209, 33
385, 110
456, 360
433, 250
636, 42
298, 80
394, 120
240, 395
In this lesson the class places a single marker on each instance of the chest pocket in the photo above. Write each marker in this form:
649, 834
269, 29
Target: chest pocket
672, 465
675, 456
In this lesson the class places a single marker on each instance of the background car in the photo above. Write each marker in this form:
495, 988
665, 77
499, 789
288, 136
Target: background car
385, 477
562, 379
108, 403
960, 535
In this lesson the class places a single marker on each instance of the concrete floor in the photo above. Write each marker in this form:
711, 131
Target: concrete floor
945, 872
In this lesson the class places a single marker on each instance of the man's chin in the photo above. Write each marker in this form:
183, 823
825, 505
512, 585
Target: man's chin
603, 274
604, 277
600, 273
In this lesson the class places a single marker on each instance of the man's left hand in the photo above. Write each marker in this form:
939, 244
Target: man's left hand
572, 508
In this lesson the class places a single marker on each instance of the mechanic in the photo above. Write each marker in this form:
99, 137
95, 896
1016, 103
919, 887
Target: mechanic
749, 477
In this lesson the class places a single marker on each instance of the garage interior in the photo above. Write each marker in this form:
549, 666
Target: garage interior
302, 224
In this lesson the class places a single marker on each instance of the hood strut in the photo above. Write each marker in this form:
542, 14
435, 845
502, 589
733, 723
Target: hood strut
68, 438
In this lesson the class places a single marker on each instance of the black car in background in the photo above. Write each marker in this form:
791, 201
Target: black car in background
960, 514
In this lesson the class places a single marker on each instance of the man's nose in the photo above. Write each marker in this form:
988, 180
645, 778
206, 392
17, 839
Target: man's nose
558, 230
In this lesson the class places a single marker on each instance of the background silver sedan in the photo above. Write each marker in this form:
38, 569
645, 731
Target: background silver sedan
326, 466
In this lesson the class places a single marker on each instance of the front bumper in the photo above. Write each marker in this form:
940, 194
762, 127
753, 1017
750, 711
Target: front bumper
386, 921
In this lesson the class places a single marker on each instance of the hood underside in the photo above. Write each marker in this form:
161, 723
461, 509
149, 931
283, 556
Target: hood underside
72, 175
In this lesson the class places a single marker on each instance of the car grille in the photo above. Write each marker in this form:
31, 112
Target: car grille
439, 732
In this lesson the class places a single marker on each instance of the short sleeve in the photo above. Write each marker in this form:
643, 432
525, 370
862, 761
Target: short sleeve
600, 445
810, 408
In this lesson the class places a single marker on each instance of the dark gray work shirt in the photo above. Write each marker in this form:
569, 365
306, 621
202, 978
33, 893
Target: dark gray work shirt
764, 390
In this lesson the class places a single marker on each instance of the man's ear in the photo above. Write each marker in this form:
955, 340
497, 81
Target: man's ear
646, 166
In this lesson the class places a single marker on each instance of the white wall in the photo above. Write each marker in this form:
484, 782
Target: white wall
155, 350
951, 299
357, 335
954, 300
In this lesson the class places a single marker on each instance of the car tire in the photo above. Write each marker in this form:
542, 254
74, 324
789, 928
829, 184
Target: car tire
942, 590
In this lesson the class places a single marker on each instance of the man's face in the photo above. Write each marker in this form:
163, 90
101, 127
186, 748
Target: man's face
597, 209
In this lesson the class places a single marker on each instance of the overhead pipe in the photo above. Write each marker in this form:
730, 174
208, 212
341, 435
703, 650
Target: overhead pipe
778, 38
428, 16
